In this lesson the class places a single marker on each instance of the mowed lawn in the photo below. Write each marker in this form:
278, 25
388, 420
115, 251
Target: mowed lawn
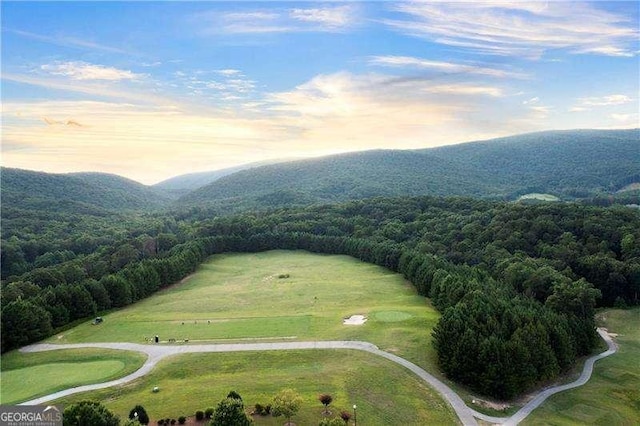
385, 393
612, 396
27, 376
277, 295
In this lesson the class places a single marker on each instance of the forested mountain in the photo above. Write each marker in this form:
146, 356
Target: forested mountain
96, 193
180, 185
348, 176
570, 164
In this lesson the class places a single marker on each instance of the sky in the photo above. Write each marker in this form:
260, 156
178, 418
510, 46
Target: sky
151, 90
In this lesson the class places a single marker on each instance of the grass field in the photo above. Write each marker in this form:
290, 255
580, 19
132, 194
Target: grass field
240, 297
28, 376
612, 396
385, 393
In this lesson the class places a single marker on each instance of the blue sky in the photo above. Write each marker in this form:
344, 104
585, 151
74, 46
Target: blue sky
150, 90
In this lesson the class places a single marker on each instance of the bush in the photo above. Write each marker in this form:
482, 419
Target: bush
173, 421
182, 420
267, 409
345, 416
199, 415
258, 409
208, 412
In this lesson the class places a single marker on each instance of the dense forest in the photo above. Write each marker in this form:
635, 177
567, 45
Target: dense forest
516, 282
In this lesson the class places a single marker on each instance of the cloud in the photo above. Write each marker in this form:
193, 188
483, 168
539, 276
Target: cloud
533, 100
89, 87
588, 103
281, 20
604, 101
440, 66
78, 70
228, 72
329, 18
520, 29
67, 41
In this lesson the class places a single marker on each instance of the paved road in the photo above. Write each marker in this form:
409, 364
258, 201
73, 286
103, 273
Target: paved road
157, 352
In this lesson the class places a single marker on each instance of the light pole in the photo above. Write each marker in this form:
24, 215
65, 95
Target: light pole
355, 415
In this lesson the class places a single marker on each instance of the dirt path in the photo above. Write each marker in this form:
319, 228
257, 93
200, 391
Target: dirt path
157, 352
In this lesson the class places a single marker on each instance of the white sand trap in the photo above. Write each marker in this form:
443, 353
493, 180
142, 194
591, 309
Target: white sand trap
355, 320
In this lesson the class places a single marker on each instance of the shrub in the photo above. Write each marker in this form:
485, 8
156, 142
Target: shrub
182, 420
199, 415
346, 416
208, 412
173, 421
258, 409
267, 409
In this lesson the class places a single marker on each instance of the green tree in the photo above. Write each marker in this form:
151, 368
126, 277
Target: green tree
230, 412
24, 322
89, 413
575, 297
286, 403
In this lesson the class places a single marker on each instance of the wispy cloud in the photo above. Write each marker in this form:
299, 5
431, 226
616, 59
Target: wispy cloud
88, 87
282, 20
588, 103
519, 28
68, 41
329, 18
78, 70
440, 66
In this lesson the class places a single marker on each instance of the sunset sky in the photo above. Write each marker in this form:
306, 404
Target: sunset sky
150, 90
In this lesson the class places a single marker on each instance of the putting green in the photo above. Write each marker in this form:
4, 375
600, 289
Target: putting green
391, 316
27, 376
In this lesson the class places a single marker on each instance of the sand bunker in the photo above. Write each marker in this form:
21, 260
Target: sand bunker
355, 320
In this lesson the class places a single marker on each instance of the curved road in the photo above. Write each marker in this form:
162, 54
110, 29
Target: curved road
157, 352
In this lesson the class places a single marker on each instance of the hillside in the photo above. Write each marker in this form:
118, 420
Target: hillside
573, 163
91, 193
178, 186
347, 176
565, 163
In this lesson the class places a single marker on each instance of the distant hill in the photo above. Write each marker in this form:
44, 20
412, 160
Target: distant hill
181, 185
91, 193
568, 164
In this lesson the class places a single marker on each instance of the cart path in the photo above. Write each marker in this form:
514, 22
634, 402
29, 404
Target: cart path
155, 353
